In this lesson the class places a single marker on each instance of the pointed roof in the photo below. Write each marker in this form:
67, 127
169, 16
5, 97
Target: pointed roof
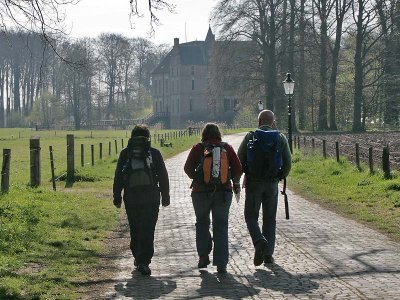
210, 35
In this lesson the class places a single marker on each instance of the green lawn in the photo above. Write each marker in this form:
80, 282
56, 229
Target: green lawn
357, 194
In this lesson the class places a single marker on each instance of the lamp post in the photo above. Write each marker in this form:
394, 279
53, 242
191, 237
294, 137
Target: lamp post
288, 85
260, 105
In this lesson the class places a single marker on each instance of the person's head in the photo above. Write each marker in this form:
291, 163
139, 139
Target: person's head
210, 132
140, 130
266, 117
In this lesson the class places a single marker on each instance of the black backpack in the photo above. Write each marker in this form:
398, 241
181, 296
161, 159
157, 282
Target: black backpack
264, 155
139, 169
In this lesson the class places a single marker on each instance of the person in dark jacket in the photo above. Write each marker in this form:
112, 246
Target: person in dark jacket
142, 175
263, 192
209, 198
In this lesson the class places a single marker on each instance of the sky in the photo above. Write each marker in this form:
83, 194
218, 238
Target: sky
90, 18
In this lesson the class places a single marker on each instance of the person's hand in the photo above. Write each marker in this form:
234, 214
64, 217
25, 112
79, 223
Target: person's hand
117, 202
236, 188
165, 200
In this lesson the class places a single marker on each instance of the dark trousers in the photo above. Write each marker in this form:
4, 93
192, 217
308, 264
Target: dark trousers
142, 210
263, 194
218, 203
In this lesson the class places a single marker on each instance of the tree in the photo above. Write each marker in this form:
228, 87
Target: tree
260, 21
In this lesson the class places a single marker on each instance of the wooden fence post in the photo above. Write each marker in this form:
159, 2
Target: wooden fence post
324, 148
122, 142
358, 156
53, 179
370, 160
82, 155
5, 171
92, 153
109, 148
101, 150
34, 146
70, 158
313, 143
337, 150
116, 146
386, 162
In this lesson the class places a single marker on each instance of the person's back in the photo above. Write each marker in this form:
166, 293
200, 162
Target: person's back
212, 193
262, 186
142, 175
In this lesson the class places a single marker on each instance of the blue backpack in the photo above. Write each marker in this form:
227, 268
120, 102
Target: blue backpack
264, 155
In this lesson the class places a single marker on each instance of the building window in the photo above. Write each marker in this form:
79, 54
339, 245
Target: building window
192, 71
155, 86
166, 85
192, 84
190, 104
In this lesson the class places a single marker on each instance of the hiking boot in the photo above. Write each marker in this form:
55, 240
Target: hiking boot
204, 261
259, 252
221, 269
144, 270
268, 259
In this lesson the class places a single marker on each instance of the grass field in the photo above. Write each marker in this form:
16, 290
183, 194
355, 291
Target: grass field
368, 198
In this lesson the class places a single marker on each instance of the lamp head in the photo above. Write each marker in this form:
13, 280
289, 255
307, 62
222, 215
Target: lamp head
288, 85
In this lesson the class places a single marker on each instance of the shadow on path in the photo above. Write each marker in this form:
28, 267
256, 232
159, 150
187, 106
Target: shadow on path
145, 287
224, 286
277, 279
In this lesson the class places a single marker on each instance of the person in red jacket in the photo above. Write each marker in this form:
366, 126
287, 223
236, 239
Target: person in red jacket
212, 198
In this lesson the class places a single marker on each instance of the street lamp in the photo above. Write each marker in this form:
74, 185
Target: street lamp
288, 85
260, 105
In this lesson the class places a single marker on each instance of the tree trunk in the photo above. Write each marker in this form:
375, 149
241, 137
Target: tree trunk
301, 78
358, 71
1, 96
323, 101
291, 60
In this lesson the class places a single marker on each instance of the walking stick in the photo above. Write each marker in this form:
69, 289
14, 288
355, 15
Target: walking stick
285, 197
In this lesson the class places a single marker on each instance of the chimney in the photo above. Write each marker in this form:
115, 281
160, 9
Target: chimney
176, 42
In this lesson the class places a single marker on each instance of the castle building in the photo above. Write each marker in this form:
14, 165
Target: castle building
185, 87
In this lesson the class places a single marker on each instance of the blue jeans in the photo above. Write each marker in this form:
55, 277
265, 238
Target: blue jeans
218, 203
265, 194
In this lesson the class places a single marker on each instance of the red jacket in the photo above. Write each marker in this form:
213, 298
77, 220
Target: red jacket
194, 159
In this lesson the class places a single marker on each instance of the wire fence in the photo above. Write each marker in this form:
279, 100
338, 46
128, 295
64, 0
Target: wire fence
379, 153
17, 170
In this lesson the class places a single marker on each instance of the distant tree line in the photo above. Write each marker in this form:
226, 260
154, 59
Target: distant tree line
49, 81
343, 54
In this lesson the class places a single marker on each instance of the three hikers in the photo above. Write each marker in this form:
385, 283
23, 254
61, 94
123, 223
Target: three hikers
142, 175
262, 174
215, 169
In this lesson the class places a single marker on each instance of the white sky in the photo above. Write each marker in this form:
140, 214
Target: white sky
89, 18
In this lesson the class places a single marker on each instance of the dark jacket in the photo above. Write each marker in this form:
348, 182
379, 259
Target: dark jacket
160, 170
194, 158
286, 155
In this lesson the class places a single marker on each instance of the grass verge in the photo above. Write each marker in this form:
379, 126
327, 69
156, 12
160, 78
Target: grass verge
355, 193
